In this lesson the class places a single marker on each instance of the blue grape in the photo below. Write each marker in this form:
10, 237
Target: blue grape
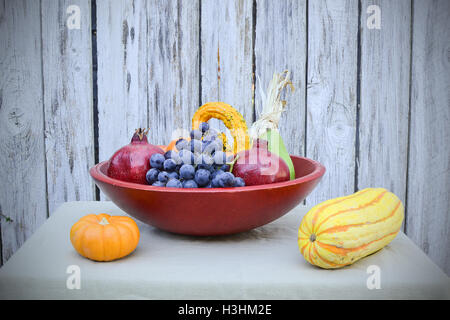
202, 177
190, 184
204, 126
238, 182
215, 183
169, 165
158, 184
196, 135
187, 157
213, 147
220, 157
181, 144
151, 175
209, 136
205, 167
168, 154
216, 173
211, 169
207, 159
205, 144
175, 157
197, 158
157, 160
163, 176
174, 183
187, 171
174, 175
195, 146
226, 178
225, 168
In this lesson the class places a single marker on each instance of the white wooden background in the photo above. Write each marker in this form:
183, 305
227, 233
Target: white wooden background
372, 105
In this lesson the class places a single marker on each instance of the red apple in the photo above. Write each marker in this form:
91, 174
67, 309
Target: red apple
260, 166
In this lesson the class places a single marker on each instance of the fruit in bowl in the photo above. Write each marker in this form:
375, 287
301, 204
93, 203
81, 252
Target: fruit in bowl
210, 211
131, 162
260, 166
202, 185
198, 163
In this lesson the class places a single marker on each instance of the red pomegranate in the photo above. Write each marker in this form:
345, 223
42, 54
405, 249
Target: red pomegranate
260, 166
131, 162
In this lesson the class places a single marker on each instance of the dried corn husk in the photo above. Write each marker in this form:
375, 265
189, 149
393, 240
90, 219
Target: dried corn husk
273, 106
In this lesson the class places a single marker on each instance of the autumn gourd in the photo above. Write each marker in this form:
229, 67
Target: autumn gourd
103, 237
231, 118
340, 231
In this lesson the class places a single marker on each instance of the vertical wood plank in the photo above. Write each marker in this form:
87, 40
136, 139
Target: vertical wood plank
383, 114
173, 64
67, 70
122, 72
226, 54
331, 94
281, 45
428, 202
22, 158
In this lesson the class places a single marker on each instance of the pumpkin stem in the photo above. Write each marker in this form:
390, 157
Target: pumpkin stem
104, 222
312, 238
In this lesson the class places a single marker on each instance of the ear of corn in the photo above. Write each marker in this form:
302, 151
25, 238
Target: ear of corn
231, 118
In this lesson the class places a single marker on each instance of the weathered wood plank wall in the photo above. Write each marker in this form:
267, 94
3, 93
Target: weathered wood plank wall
22, 151
122, 72
68, 103
331, 94
383, 111
428, 202
371, 104
226, 44
281, 44
173, 65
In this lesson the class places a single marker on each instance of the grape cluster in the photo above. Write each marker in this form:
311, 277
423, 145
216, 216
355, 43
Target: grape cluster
198, 163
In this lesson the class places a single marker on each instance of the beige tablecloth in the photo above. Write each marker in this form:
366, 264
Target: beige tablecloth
264, 263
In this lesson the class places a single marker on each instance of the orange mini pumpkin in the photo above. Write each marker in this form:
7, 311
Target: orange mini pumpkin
103, 237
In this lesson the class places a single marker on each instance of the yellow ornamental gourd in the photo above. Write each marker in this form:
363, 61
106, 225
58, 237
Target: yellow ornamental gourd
232, 119
340, 231
103, 237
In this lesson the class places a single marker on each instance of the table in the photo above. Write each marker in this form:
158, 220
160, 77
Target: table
264, 263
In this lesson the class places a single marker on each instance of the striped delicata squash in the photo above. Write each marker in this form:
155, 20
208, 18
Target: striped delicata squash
340, 231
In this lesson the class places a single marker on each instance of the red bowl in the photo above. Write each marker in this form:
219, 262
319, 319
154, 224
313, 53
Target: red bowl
214, 211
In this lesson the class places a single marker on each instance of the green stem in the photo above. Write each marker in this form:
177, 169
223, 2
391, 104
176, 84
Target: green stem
233, 162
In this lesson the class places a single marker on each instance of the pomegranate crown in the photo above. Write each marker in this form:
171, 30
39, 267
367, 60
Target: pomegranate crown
140, 135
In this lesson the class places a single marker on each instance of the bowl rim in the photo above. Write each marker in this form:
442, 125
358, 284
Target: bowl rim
319, 171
